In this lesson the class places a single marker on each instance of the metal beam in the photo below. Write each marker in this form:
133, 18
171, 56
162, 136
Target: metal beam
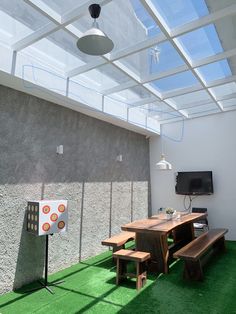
119, 88
208, 19
226, 97
45, 10
85, 68
226, 80
145, 44
214, 58
34, 37
157, 76
143, 102
182, 91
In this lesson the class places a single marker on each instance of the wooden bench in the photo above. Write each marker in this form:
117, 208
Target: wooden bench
194, 252
118, 241
140, 258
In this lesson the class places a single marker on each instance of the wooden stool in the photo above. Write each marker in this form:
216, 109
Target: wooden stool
140, 258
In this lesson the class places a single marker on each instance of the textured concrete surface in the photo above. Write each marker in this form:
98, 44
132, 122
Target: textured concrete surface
140, 200
22, 254
121, 206
95, 218
30, 131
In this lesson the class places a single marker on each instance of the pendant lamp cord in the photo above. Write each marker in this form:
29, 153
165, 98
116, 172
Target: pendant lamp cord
161, 139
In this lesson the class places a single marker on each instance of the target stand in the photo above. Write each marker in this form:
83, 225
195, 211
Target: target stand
45, 284
46, 218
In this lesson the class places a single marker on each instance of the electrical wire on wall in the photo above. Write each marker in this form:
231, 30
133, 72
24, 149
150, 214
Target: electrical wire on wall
189, 206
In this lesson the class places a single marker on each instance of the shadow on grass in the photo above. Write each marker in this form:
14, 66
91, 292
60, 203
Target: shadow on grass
96, 299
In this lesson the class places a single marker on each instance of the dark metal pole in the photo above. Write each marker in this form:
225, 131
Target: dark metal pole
46, 262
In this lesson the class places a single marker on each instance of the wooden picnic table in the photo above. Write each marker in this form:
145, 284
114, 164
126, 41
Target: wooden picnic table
152, 236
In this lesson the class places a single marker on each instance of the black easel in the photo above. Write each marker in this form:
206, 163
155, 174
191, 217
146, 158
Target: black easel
45, 284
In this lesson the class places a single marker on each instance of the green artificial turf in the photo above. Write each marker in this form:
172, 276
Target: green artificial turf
89, 287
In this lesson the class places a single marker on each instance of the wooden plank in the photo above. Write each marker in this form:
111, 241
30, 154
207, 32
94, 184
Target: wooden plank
130, 255
195, 249
119, 239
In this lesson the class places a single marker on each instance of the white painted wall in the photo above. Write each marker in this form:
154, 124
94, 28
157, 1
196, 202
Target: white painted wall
209, 143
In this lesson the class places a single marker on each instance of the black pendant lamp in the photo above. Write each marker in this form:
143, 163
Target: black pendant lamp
94, 41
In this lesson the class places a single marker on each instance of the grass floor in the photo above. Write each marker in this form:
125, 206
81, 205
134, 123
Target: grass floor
89, 287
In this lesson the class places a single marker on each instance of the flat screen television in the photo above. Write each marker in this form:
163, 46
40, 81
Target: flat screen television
194, 183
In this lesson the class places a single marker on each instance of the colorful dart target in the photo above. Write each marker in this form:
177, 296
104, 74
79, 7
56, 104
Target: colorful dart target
47, 217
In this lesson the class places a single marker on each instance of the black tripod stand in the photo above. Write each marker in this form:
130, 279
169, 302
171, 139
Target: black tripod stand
45, 284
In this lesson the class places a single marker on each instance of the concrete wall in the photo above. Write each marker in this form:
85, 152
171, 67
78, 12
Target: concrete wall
102, 193
208, 144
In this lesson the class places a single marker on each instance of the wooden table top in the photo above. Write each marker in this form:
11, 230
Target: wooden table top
160, 224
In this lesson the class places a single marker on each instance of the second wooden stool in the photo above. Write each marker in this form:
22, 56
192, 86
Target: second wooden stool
140, 258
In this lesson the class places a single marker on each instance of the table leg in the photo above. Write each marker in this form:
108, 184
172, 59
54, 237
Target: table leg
156, 245
165, 252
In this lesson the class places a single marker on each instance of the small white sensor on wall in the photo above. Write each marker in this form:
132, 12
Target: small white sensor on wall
119, 158
59, 150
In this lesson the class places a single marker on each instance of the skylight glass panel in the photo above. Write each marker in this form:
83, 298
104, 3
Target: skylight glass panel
175, 82
203, 108
156, 59
224, 90
190, 99
104, 77
131, 95
18, 19
125, 22
228, 103
214, 71
201, 43
59, 49
63, 6
179, 12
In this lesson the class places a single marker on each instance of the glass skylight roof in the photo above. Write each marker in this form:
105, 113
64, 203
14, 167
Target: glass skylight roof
177, 13
171, 60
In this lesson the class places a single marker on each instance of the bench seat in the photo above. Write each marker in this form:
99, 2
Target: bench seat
195, 250
118, 241
140, 258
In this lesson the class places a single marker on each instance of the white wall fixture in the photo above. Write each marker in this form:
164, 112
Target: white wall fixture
119, 158
59, 150
94, 41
